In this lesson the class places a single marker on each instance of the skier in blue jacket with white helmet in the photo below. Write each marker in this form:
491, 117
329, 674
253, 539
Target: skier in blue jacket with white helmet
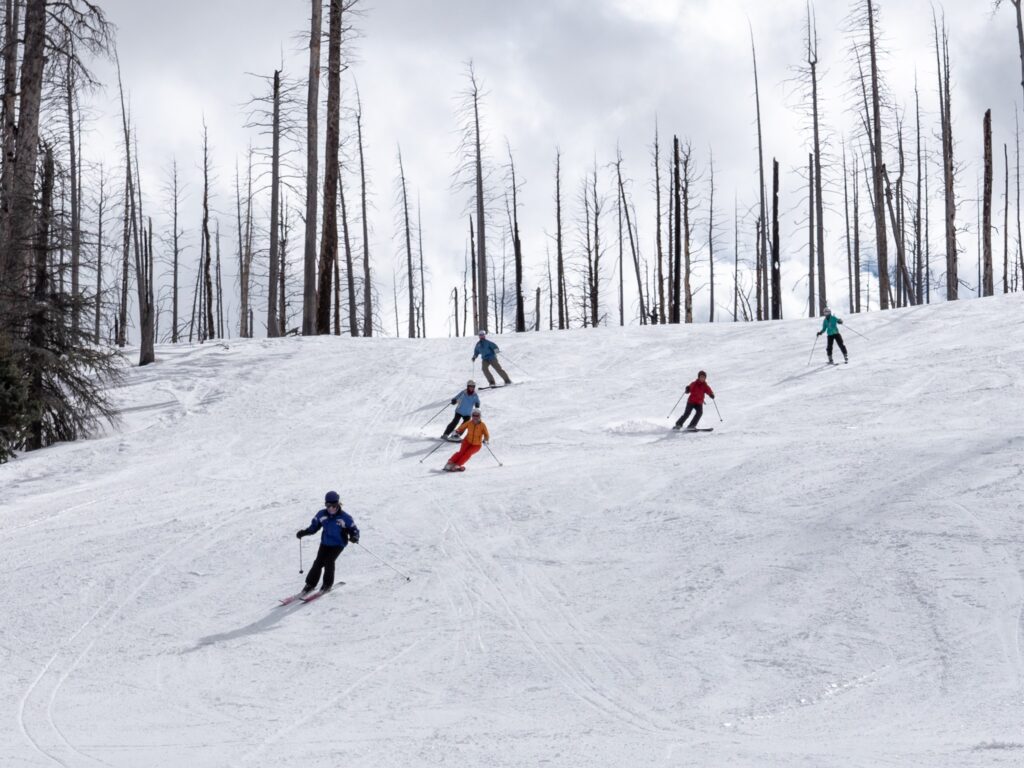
337, 529
488, 350
464, 401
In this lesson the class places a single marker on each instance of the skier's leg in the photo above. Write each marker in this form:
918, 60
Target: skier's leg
828, 348
842, 347
500, 370
487, 372
686, 414
314, 572
454, 423
468, 453
698, 411
329, 560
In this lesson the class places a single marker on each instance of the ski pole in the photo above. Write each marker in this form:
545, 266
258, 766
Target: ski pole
859, 334
812, 349
515, 365
676, 405
389, 565
432, 451
492, 454
715, 403
300, 555
443, 407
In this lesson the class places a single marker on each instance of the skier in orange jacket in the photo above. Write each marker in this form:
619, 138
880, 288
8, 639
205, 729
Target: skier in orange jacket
476, 436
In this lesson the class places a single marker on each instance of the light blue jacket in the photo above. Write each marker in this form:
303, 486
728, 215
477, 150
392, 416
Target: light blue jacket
465, 403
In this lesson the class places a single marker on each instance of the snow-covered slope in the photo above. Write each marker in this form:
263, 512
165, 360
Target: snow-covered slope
830, 578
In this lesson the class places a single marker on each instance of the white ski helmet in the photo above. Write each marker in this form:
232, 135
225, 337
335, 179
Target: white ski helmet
827, 311
476, 412
470, 383
481, 332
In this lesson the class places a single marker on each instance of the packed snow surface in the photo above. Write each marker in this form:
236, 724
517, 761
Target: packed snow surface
833, 577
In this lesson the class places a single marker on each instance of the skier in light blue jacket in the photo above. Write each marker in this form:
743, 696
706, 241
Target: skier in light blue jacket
464, 401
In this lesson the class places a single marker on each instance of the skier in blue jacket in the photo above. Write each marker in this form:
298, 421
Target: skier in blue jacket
337, 529
464, 401
488, 350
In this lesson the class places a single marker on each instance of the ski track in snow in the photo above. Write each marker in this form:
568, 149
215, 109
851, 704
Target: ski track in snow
833, 577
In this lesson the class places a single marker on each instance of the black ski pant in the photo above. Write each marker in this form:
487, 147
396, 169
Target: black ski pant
325, 558
835, 338
696, 410
454, 423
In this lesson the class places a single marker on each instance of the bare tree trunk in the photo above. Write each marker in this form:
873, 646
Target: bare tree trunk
220, 288
423, 284
736, 259
367, 282
74, 173
677, 256
563, 299
309, 297
17, 233
632, 243
211, 328
856, 234
918, 256
595, 284
408, 246
275, 311
876, 163
901, 258
517, 249
945, 106
687, 238
810, 236
282, 306
329, 233
762, 265
473, 272
988, 287
481, 230
660, 273
39, 247
819, 206
1006, 220
846, 215
9, 138
101, 207
353, 323
776, 293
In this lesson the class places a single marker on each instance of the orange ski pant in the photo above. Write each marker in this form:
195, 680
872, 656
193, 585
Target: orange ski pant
462, 455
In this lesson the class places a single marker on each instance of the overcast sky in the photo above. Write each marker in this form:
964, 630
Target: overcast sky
580, 75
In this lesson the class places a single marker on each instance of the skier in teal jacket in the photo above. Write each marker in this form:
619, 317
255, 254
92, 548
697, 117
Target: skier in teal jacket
830, 325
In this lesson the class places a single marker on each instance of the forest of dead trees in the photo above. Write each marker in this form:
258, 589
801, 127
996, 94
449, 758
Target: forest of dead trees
84, 272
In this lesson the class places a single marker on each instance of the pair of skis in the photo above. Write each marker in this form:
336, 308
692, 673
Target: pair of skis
306, 597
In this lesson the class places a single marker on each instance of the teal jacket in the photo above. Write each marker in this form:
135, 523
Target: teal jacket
830, 325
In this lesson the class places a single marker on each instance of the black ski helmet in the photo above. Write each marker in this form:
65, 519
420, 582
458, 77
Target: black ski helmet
331, 497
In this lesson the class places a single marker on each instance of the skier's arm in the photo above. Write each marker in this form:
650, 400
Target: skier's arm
353, 533
687, 390
487, 435
314, 526
462, 427
476, 351
711, 392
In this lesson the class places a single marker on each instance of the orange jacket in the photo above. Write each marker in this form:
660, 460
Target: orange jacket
475, 433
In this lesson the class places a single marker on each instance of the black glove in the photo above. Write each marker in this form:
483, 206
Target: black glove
454, 401
353, 536
474, 358
820, 332
300, 534
712, 397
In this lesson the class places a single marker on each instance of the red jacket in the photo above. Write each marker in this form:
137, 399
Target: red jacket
697, 390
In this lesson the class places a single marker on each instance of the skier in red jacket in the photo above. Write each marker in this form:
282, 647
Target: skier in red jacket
695, 403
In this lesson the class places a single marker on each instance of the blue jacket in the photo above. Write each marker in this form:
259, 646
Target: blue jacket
830, 325
335, 528
465, 403
486, 349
